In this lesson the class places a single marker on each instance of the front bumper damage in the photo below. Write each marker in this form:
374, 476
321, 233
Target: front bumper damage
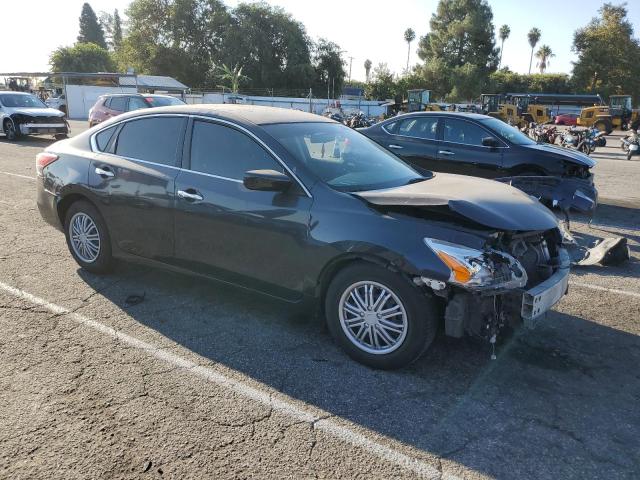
558, 192
484, 314
43, 128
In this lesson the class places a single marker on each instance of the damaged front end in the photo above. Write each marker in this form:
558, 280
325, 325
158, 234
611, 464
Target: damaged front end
564, 193
24, 124
514, 280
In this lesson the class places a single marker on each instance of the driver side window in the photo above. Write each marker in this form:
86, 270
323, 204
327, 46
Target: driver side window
226, 152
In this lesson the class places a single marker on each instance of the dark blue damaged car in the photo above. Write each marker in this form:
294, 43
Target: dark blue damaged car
483, 146
302, 208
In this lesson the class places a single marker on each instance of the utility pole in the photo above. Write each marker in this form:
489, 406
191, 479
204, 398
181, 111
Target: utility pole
350, 62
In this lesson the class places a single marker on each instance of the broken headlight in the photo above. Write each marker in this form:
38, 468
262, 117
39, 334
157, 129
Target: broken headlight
479, 269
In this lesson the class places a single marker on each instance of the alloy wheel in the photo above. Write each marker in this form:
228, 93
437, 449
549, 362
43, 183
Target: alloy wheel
372, 317
85, 238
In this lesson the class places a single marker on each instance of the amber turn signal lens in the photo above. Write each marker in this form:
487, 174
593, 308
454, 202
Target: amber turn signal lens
460, 272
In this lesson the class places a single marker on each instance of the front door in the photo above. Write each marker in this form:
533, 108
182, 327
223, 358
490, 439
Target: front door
462, 151
254, 238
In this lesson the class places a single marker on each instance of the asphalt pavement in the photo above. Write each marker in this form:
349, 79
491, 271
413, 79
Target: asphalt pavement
201, 380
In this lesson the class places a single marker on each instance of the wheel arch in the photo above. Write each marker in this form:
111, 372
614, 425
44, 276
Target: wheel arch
341, 262
66, 201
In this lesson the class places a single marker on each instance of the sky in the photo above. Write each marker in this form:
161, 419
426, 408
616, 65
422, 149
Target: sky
364, 29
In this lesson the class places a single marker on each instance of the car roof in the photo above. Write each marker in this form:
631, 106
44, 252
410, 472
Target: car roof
257, 115
474, 116
15, 93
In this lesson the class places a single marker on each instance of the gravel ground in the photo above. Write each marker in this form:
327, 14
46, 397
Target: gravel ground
202, 381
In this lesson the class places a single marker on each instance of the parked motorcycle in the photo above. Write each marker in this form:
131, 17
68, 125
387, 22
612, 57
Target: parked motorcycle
574, 138
631, 144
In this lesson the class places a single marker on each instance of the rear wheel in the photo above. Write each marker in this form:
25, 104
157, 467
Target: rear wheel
378, 317
88, 238
629, 154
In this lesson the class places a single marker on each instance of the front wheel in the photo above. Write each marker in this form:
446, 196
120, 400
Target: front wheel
88, 238
10, 130
629, 154
378, 317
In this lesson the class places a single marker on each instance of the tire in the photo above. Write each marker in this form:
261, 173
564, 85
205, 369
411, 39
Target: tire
416, 322
604, 126
629, 155
85, 256
10, 130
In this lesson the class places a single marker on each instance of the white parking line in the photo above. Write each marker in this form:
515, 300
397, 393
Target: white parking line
606, 289
282, 404
17, 175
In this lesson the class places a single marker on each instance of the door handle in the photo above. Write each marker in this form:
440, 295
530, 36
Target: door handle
445, 152
396, 147
105, 172
193, 197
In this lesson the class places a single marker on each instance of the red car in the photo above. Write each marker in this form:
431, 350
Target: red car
566, 119
112, 105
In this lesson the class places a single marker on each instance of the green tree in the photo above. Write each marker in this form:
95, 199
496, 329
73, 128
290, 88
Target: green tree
82, 57
382, 85
231, 76
608, 54
112, 28
505, 31
116, 34
329, 66
543, 55
409, 36
90, 29
273, 47
533, 37
367, 68
462, 33
180, 38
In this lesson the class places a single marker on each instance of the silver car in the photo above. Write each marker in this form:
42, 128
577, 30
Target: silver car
25, 114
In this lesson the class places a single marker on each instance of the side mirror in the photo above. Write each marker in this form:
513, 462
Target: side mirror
266, 180
490, 142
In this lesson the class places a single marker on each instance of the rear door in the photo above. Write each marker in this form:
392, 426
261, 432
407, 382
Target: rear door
133, 173
462, 152
248, 237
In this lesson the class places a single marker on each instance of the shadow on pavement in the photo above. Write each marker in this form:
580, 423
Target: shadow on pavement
561, 401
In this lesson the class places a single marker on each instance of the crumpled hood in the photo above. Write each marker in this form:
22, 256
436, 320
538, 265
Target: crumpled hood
36, 112
486, 202
573, 155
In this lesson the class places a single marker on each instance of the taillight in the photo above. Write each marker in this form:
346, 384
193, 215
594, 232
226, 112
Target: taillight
43, 159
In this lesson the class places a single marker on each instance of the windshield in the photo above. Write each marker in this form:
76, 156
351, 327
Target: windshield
22, 101
164, 101
508, 132
343, 158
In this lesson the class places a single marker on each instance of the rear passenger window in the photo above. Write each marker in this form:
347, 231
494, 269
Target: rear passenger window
102, 138
118, 103
153, 139
420, 127
226, 152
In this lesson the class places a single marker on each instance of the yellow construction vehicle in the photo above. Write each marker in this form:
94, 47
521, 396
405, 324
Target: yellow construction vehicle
419, 100
514, 110
617, 115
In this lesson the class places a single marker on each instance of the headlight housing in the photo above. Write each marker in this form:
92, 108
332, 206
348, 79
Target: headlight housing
479, 269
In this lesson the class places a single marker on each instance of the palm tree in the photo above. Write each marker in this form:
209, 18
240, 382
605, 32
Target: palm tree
543, 54
504, 34
409, 36
533, 36
232, 75
367, 68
